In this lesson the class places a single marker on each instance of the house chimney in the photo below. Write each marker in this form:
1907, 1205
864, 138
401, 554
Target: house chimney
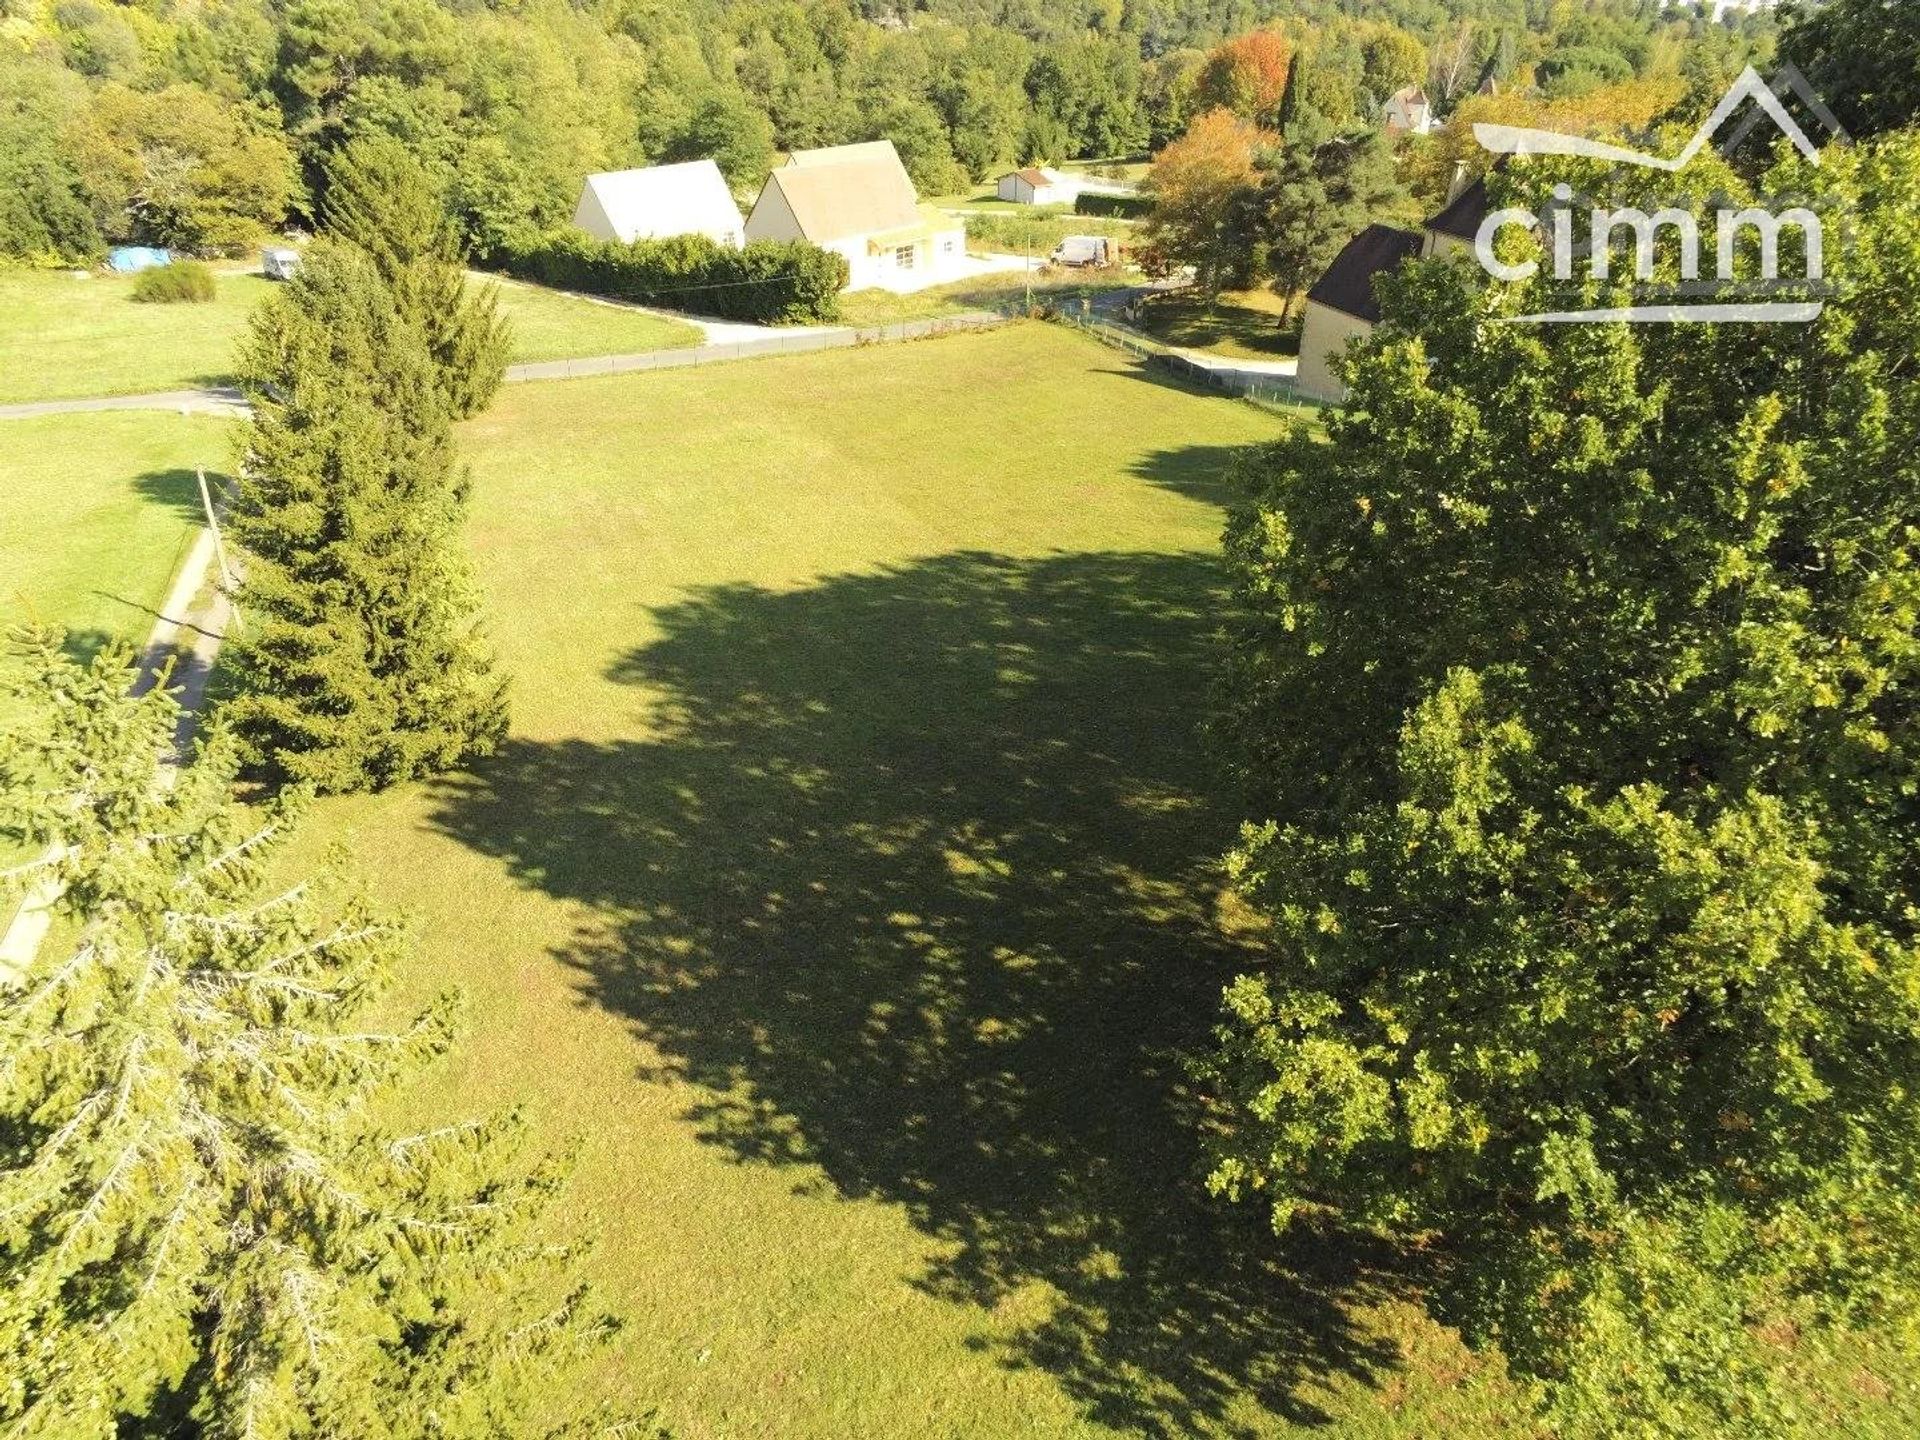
1461, 179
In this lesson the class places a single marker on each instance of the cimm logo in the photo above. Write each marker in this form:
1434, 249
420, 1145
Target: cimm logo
1726, 295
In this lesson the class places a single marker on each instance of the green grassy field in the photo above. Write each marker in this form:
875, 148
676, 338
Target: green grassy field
62, 337
1243, 325
100, 510
844, 886
985, 292
550, 325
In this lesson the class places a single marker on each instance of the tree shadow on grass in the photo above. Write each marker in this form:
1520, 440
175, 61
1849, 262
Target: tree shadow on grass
1198, 472
913, 882
179, 490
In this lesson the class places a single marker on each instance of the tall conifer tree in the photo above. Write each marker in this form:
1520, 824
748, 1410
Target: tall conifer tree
381, 200
202, 1232
361, 662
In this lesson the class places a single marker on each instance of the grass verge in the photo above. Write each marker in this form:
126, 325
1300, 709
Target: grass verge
100, 511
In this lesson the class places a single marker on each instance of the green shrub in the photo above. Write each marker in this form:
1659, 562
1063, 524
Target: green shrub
1020, 234
1124, 207
186, 281
775, 282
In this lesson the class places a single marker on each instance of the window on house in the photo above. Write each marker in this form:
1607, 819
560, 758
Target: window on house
903, 257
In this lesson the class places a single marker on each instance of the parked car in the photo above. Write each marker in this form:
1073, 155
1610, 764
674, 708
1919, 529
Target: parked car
278, 262
1083, 250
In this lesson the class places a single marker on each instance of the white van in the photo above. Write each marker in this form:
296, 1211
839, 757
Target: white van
1078, 250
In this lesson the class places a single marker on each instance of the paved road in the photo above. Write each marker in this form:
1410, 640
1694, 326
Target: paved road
223, 400
216, 400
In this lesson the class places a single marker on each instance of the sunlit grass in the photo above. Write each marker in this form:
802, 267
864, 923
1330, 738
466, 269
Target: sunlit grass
64, 335
846, 889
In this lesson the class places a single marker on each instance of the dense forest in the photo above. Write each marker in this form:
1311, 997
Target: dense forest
207, 124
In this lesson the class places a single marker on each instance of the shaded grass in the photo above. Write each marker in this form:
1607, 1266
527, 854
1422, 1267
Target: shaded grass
988, 292
1242, 325
62, 337
846, 886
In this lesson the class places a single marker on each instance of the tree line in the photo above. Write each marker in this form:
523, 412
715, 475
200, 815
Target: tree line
206, 128
1286, 158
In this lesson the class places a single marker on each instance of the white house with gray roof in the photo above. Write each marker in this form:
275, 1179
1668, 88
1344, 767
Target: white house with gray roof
659, 202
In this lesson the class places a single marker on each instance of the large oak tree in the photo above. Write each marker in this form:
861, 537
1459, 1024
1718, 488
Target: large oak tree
1578, 704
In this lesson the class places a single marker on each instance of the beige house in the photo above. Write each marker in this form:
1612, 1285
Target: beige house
1342, 306
659, 202
858, 201
1408, 112
1044, 185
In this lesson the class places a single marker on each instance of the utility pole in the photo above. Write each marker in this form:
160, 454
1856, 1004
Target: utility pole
1029, 266
213, 524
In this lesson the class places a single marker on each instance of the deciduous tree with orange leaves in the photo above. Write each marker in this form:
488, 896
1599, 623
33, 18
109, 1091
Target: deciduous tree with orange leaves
1247, 75
1198, 185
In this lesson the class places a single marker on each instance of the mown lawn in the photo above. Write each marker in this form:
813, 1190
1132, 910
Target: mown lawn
62, 337
99, 512
1242, 325
984, 292
845, 889
552, 325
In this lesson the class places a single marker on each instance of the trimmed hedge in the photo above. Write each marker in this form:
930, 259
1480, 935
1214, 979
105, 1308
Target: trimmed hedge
1120, 207
773, 282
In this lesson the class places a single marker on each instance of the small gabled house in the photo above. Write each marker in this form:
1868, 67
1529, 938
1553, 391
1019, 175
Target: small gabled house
1342, 306
659, 202
1408, 112
858, 201
1044, 185
1036, 185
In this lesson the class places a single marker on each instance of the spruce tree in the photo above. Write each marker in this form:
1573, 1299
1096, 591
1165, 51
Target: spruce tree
202, 1231
361, 662
380, 199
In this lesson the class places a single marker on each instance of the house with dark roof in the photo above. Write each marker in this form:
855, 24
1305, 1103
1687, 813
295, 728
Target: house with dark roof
1343, 305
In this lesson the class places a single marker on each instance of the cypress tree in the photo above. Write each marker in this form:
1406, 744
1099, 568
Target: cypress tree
380, 199
202, 1232
361, 663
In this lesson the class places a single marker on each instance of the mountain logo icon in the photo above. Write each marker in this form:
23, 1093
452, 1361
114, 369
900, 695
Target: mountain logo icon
1749, 88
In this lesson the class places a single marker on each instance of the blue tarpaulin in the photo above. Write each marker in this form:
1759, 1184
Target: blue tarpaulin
128, 258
